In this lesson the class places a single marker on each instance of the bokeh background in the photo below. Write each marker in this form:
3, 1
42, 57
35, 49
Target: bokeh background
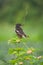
27, 12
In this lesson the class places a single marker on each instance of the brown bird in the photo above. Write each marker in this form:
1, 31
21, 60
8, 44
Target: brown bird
19, 31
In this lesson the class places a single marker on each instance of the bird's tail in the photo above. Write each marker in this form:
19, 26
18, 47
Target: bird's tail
26, 36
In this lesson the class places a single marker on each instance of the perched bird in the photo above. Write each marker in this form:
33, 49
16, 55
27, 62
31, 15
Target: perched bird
19, 31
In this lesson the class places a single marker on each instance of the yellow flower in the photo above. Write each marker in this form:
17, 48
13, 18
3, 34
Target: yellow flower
39, 57
20, 63
29, 51
18, 40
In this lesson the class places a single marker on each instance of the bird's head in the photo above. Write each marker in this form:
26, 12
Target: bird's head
18, 25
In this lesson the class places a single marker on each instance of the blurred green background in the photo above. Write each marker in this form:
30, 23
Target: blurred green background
27, 12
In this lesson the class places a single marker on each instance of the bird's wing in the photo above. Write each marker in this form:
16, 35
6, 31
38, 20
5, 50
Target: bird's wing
18, 32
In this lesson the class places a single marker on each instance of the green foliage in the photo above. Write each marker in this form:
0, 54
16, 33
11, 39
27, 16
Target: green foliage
22, 55
16, 40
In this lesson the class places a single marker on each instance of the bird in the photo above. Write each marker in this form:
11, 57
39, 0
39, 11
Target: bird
19, 31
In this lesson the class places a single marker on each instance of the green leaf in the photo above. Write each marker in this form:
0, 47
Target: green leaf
11, 51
